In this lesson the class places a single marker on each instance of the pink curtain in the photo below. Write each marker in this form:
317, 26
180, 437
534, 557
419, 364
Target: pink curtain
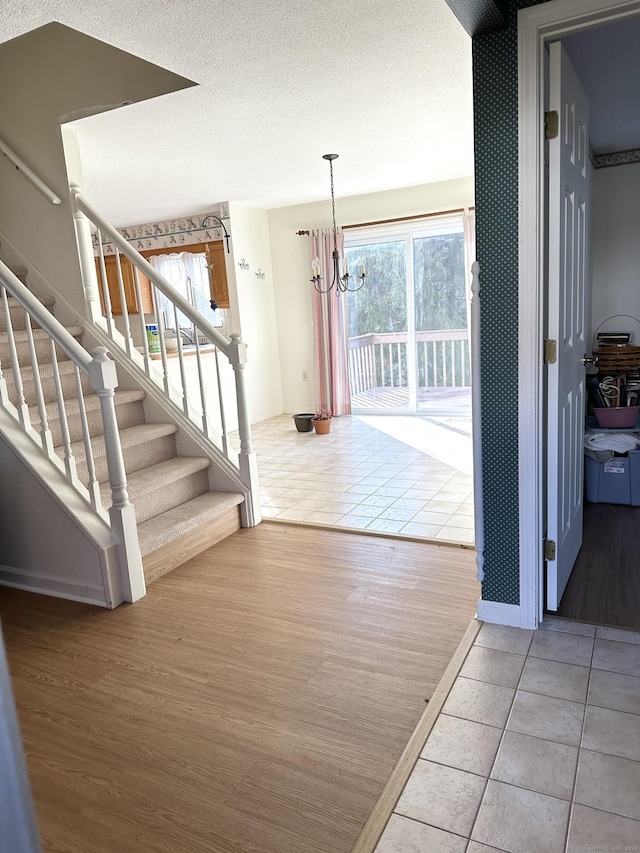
331, 330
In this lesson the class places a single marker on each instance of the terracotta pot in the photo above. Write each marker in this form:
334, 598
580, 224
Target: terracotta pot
322, 427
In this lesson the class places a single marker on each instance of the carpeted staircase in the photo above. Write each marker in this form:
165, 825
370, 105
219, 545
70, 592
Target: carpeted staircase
177, 515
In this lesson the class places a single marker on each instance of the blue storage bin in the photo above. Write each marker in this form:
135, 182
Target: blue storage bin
614, 482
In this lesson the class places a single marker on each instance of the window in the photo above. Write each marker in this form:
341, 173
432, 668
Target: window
408, 325
188, 273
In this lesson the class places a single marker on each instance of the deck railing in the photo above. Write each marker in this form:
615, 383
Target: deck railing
380, 360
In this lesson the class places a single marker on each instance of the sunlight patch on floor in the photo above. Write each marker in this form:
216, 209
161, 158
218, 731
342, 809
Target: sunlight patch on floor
445, 439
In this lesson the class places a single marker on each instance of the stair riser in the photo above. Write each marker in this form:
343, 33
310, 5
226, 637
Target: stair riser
128, 414
18, 320
67, 381
43, 352
161, 500
135, 458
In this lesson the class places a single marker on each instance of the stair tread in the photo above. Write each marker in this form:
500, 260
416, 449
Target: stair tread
170, 525
21, 334
158, 476
129, 437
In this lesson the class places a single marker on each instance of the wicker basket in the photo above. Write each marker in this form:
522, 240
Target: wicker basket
615, 360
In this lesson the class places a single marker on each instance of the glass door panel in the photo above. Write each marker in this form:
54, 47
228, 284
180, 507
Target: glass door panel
443, 374
379, 354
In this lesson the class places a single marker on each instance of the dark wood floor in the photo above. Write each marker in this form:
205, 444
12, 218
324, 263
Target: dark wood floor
256, 701
604, 587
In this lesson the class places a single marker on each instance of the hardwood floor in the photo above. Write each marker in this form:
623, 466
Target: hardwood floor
604, 587
256, 700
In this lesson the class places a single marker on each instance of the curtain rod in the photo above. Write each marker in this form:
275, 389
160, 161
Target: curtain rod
399, 219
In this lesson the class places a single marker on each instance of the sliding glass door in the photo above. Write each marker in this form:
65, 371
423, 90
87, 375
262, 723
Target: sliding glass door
408, 326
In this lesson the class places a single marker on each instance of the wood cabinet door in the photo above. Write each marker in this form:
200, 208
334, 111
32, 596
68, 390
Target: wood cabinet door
218, 285
128, 281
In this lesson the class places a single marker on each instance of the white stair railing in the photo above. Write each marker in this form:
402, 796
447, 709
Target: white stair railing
193, 400
35, 420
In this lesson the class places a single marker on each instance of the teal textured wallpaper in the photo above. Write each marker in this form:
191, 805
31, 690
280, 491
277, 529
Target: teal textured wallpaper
495, 97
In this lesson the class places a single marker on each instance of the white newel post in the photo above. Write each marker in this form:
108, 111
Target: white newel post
476, 420
251, 512
104, 380
87, 259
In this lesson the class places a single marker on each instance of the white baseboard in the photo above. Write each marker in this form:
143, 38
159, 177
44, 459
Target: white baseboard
48, 585
499, 614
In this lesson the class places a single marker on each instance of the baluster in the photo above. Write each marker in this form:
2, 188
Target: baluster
4, 393
434, 356
123, 303
203, 398
69, 459
383, 384
143, 325
399, 351
352, 383
23, 409
425, 358
92, 485
183, 378
223, 417
105, 287
371, 368
104, 381
45, 432
163, 348
453, 364
444, 363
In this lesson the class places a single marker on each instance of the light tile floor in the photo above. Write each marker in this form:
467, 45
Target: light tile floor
536, 749
362, 478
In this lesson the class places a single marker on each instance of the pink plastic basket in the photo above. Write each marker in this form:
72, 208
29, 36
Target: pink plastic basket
617, 417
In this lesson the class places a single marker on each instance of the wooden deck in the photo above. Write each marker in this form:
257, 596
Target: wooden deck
398, 398
256, 700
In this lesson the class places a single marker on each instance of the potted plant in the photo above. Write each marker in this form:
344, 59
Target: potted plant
322, 421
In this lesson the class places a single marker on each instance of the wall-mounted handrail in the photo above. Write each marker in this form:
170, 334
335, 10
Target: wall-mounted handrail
29, 173
152, 274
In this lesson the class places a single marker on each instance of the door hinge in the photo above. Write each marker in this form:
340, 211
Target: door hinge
551, 124
550, 351
549, 549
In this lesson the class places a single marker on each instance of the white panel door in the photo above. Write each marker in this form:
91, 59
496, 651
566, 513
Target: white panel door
568, 211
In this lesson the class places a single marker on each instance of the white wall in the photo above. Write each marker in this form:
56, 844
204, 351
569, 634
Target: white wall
43, 548
253, 302
48, 73
293, 290
616, 247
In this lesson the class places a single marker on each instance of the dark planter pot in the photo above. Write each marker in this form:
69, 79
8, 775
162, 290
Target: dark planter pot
303, 422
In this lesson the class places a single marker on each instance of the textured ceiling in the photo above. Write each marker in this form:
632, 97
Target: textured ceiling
387, 86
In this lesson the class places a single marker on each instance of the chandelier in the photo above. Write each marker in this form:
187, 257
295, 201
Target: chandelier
340, 283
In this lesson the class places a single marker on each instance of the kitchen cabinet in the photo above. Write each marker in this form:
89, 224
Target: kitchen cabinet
128, 281
218, 285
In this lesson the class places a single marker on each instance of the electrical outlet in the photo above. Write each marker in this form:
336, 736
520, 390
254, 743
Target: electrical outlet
305, 376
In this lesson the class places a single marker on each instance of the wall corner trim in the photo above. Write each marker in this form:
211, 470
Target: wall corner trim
500, 614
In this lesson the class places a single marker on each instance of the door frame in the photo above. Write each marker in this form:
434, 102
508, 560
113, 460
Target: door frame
536, 25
